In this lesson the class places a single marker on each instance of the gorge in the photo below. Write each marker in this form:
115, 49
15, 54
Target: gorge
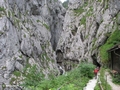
45, 34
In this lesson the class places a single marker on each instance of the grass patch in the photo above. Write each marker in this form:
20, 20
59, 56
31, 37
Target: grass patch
83, 20
32, 77
2, 9
45, 25
99, 0
112, 40
78, 11
74, 80
116, 79
17, 73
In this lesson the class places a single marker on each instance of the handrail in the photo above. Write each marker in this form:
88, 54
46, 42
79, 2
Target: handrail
99, 82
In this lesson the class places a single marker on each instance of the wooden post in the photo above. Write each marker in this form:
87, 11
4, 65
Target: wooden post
99, 82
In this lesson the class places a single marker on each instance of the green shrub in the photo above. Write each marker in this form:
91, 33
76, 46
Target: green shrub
2, 9
116, 79
73, 80
17, 73
69, 87
32, 77
86, 69
112, 40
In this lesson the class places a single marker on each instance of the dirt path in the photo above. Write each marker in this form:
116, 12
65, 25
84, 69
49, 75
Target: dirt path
91, 84
109, 80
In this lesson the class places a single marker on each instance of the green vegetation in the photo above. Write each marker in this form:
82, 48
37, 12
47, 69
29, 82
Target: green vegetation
2, 9
3, 86
112, 40
86, 37
83, 20
38, 20
17, 73
104, 83
78, 11
24, 36
73, 80
94, 40
44, 56
12, 80
55, 0
1, 33
81, 10
116, 79
32, 77
99, 0
45, 25
65, 4
89, 13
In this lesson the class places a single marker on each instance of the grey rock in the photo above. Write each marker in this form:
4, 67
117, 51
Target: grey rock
92, 25
29, 30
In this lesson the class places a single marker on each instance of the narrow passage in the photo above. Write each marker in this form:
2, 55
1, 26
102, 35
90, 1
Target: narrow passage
91, 84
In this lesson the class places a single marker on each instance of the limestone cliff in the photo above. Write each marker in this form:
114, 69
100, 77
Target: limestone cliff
29, 30
87, 26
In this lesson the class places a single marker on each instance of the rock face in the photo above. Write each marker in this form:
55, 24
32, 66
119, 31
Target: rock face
29, 31
86, 25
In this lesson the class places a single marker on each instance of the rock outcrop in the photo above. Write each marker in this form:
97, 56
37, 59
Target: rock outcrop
29, 31
32, 30
86, 27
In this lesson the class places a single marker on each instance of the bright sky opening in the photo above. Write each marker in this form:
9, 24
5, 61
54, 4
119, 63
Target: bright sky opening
62, 0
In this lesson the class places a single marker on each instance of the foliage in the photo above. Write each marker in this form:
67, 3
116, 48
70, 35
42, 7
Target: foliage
32, 77
73, 80
65, 4
3, 86
83, 20
87, 70
116, 79
78, 11
12, 80
46, 26
55, 0
2, 9
104, 83
17, 73
112, 40
99, 0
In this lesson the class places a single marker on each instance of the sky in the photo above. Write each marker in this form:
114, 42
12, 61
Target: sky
62, 0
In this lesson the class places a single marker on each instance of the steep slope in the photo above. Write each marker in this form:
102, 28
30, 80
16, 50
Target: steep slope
88, 25
29, 30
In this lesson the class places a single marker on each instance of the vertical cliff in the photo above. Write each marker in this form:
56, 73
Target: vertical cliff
29, 30
87, 27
